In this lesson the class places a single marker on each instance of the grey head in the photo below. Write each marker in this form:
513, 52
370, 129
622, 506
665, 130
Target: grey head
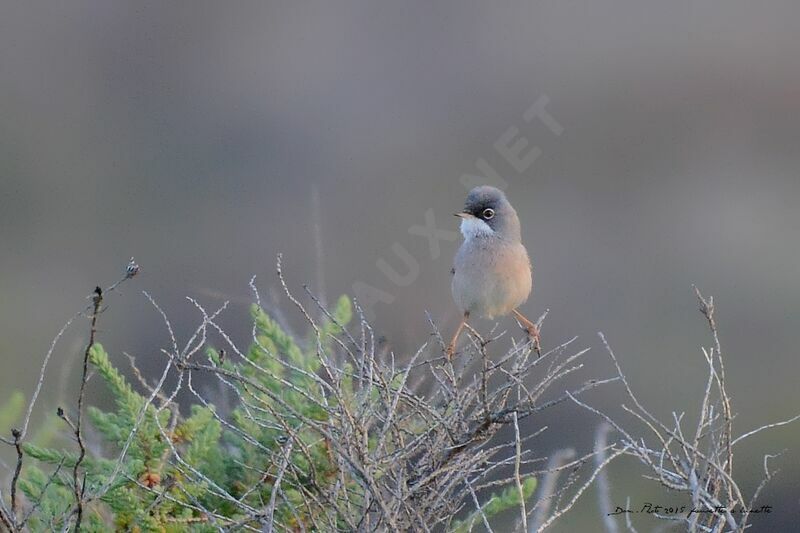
487, 213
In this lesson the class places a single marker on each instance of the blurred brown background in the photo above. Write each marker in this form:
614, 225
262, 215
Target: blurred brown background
193, 136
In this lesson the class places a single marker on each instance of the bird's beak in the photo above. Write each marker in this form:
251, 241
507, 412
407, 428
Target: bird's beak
464, 215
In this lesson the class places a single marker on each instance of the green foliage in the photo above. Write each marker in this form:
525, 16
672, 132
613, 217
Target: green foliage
498, 502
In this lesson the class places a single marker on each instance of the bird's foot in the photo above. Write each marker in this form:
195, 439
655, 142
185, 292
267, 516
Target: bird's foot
450, 351
533, 335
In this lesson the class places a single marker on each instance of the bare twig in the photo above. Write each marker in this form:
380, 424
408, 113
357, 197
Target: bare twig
79, 487
558, 461
276, 487
599, 468
17, 434
517, 478
603, 485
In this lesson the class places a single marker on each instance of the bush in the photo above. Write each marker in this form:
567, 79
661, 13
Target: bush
331, 433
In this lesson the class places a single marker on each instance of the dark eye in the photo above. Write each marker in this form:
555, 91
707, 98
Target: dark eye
488, 213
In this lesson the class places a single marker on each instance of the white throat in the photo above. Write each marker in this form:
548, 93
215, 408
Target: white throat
472, 227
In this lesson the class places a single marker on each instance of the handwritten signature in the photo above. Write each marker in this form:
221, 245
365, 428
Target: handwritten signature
652, 508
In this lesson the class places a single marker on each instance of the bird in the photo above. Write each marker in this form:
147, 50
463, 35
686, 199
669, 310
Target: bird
492, 273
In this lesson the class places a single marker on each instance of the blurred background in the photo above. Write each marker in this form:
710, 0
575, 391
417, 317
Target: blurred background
205, 138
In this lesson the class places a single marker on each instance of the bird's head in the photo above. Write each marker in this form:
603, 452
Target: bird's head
487, 212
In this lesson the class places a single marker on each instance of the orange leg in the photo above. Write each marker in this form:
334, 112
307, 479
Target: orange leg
451, 348
533, 331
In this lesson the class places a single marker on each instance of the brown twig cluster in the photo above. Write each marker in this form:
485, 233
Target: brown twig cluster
695, 461
415, 457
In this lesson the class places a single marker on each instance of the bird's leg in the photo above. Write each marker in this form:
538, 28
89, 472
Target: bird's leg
530, 327
451, 348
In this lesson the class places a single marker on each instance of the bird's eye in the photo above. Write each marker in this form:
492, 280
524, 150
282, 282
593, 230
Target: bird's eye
488, 213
